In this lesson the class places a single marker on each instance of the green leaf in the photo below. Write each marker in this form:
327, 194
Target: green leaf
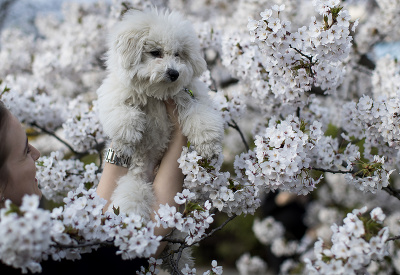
192, 206
14, 209
116, 210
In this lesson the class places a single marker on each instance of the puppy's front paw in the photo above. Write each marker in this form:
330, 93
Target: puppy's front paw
123, 147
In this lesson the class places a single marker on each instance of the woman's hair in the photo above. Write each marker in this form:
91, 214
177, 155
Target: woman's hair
5, 116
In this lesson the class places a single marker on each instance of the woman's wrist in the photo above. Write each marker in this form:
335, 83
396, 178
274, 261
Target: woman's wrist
108, 181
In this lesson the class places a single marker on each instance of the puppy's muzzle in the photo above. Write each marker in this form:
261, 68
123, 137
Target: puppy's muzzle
172, 74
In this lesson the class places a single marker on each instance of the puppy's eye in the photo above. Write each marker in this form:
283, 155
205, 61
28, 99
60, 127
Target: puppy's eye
156, 53
176, 54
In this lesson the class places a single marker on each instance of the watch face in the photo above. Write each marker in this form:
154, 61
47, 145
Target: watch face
111, 157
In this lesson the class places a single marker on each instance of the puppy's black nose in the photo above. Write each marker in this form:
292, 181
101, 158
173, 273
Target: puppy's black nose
172, 74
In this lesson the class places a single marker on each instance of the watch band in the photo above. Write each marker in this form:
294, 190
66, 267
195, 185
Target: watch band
113, 158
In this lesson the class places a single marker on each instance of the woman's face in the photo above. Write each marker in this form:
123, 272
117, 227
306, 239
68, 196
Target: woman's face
20, 164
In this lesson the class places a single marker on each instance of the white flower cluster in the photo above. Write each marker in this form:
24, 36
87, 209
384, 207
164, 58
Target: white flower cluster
80, 219
354, 245
372, 176
286, 152
248, 265
64, 56
379, 23
271, 232
231, 107
374, 119
72, 47
215, 270
133, 237
282, 156
57, 176
82, 214
24, 234
232, 196
209, 37
283, 247
386, 77
245, 61
152, 269
378, 122
83, 126
17, 49
268, 230
34, 107
119, 7
312, 55
326, 154
29, 234
195, 218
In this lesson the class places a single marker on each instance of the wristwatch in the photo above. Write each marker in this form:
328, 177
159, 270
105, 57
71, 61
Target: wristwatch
113, 158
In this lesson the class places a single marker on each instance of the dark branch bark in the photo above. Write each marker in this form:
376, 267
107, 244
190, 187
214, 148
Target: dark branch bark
99, 146
237, 128
175, 263
393, 238
392, 191
333, 171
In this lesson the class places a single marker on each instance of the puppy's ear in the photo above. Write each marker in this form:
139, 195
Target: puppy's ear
129, 46
199, 65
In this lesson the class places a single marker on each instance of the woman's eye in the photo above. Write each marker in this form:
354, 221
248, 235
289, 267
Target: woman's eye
29, 149
156, 53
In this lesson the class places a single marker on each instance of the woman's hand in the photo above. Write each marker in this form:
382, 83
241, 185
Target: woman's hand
172, 113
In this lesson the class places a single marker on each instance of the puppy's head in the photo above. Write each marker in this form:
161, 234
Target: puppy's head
158, 52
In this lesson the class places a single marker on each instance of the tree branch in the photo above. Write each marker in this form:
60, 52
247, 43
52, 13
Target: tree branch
79, 245
99, 146
218, 228
237, 128
50, 133
393, 238
392, 191
333, 171
175, 263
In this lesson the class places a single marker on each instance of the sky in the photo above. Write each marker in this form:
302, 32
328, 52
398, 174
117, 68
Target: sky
23, 12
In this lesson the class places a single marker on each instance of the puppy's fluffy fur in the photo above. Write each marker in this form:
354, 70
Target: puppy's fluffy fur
154, 56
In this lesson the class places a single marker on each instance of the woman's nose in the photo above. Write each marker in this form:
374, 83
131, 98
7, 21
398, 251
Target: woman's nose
35, 153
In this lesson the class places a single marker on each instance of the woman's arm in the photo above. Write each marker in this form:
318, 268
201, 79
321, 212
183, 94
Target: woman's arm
108, 181
169, 178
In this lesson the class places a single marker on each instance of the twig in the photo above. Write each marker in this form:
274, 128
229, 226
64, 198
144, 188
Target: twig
84, 244
99, 146
175, 266
204, 237
391, 191
393, 238
183, 245
44, 130
236, 127
302, 54
334, 171
218, 228
167, 239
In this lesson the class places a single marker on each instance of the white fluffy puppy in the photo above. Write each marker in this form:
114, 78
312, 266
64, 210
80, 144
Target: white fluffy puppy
154, 56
